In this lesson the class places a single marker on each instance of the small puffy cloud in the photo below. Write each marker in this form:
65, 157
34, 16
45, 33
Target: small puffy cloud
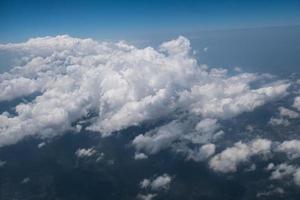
140, 156
276, 191
100, 157
297, 177
161, 182
286, 171
25, 180
281, 171
207, 125
282, 120
278, 122
229, 159
297, 103
176, 133
207, 150
238, 69
146, 196
159, 139
204, 152
291, 148
205, 131
181, 46
2, 163
270, 166
158, 183
41, 145
145, 183
81, 153
284, 112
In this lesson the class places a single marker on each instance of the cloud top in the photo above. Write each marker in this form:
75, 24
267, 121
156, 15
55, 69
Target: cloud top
117, 85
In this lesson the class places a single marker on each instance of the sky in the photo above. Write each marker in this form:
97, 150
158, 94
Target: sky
21, 20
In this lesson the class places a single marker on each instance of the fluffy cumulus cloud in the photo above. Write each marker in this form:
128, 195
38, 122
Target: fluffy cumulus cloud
284, 112
284, 115
158, 139
177, 136
229, 159
117, 85
140, 156
297, 103
291, 148
297, 177
204, 152
285, 171
158, 183
281, 171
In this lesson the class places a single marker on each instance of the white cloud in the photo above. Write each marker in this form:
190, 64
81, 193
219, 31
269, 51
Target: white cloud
282, 120
146, 196
270, 166
284, 112
140, 156
81, 153
17, 87
176, 136
281, 171
229, 159
204, 152
291, 148
42, 144
207, 125
159, 139
278, 122
297, 177
297, 103
286, 171
158, 183
145, 183
161, 182
276, 191
120, 84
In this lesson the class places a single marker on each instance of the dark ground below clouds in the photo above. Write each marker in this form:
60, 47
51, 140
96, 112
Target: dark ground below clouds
56, 173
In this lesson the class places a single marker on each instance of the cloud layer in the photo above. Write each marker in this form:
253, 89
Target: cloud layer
116, 85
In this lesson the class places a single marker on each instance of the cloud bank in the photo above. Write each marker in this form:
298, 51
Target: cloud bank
117, 85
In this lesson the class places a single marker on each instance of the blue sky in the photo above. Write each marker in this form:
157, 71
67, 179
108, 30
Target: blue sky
21, 20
